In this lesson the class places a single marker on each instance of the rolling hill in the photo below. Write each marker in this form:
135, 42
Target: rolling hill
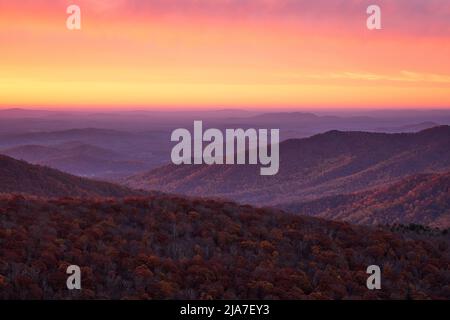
408, 128
165, 247
421, 199
327, 164
41, 153
77, 158
159, 246
21, 177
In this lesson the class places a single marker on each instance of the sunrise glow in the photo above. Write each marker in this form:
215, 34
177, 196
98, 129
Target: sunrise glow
265, 53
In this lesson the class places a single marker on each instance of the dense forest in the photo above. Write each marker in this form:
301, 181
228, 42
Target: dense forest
166, 247
327, 164
21, 177
420, 199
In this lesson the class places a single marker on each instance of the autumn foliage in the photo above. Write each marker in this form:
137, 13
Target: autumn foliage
420, 199
21, 177
166, 247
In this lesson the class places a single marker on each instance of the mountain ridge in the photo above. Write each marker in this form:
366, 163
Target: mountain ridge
323, 165
21, 177
420, 199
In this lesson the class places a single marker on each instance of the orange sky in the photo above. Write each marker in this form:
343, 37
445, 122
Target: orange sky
227, 53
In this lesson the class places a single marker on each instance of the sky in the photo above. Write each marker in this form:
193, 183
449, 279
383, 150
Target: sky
225, 53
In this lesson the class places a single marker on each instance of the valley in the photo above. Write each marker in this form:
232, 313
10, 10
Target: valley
323, 165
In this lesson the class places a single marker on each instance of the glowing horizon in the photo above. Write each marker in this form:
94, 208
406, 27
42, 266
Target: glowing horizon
225, 54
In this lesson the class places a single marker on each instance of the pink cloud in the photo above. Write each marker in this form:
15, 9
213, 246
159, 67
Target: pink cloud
411, 17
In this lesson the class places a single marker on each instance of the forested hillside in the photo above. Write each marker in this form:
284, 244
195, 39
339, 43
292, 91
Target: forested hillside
421, 199
21, 177
164, 247
328, 164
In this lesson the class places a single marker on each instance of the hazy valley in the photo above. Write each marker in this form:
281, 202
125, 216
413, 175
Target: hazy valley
137, 242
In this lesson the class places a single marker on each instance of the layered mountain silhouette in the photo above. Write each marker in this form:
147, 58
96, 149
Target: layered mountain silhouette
169, 247
21, 177
76, 158
327, 164
420, 199
90, 152
408, 128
